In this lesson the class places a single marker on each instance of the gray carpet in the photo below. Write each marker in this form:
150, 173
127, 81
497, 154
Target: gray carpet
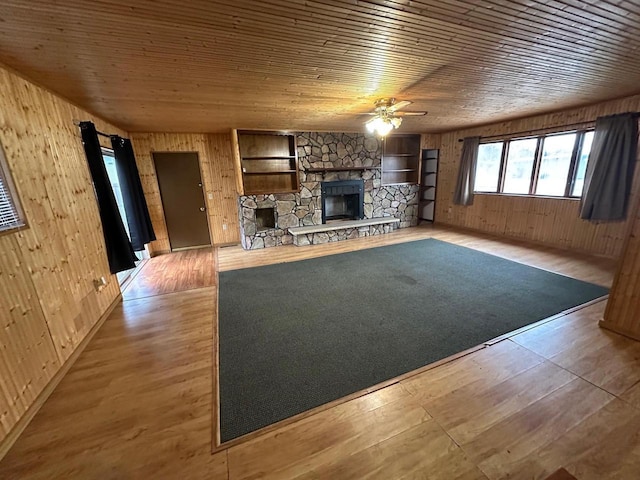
294, 336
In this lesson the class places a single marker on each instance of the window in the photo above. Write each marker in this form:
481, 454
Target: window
112, 173
555, 163
578, 183
520, 160
10, 212
488, 166
548, 165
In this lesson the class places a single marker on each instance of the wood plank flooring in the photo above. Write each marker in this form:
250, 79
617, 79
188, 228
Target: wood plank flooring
180, 271
138, 403
598, 270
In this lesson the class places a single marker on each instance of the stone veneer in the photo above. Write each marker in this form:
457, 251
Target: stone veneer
328, 150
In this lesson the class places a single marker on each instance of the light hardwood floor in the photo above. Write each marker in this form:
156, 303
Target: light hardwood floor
180, 271
137, 404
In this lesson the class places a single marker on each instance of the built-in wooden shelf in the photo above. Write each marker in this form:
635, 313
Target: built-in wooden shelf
428, 182
341, 169
401, 160
268, 162
269, 192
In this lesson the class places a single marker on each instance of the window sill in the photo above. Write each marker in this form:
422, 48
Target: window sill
520, 195
11, 230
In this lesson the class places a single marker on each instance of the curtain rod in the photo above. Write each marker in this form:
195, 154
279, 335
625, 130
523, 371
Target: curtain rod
586, 123
77, 124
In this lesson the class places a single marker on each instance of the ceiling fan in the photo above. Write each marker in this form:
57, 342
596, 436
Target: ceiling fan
387, 115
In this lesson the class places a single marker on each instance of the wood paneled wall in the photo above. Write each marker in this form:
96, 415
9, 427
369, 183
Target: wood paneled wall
48, 303
545, 220
623, 309
218, 178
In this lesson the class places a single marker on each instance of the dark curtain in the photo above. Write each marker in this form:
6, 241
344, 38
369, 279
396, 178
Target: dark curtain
607, 182
135, 205
467, 172
119, 252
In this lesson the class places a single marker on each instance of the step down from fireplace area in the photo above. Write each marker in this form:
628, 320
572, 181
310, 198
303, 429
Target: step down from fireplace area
342, 230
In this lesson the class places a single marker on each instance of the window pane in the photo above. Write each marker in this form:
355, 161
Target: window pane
555, 164
520, 165
581, 168
488, 167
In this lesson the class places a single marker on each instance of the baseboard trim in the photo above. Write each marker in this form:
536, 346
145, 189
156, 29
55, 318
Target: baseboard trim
517, 239
21, 425
227, 244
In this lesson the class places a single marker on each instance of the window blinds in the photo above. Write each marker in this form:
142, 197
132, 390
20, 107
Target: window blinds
9, 216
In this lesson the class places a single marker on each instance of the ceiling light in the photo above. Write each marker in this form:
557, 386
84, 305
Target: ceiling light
382, 124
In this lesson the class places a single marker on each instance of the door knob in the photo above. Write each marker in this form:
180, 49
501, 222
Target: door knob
202, 209
200, 184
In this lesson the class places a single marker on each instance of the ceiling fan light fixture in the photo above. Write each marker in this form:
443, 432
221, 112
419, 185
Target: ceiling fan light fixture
375, 124
382, 125
386, 116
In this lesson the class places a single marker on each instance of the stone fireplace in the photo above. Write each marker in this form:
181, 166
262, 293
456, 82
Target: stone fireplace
325, 158
342, 200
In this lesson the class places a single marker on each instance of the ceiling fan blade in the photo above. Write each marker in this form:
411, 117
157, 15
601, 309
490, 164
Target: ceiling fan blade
367, 113
410, 114
399, 105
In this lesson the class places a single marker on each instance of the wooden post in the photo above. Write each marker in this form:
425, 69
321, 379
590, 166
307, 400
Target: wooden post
623, 310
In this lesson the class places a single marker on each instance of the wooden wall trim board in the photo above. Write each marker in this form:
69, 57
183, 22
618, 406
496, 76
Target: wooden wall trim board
48, 303
7, 442
222, 181
217, 169
622, 314
548, 221
237, 161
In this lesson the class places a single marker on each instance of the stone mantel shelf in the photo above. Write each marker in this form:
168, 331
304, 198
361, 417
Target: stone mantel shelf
325, 227
340, 169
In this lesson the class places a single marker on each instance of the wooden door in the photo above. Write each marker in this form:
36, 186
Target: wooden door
182, 199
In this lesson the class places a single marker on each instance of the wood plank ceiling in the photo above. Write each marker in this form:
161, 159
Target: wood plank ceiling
206, 66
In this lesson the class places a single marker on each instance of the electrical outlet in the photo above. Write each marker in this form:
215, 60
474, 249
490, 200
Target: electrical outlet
224, 226
210, 195
99, 283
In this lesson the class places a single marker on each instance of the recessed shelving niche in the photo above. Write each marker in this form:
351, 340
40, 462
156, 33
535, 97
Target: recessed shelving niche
268, 162
401, 160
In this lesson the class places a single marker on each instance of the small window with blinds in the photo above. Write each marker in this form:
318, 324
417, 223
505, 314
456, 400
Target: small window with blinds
10, 212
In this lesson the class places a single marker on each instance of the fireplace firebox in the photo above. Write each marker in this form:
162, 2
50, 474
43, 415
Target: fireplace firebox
342, 200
